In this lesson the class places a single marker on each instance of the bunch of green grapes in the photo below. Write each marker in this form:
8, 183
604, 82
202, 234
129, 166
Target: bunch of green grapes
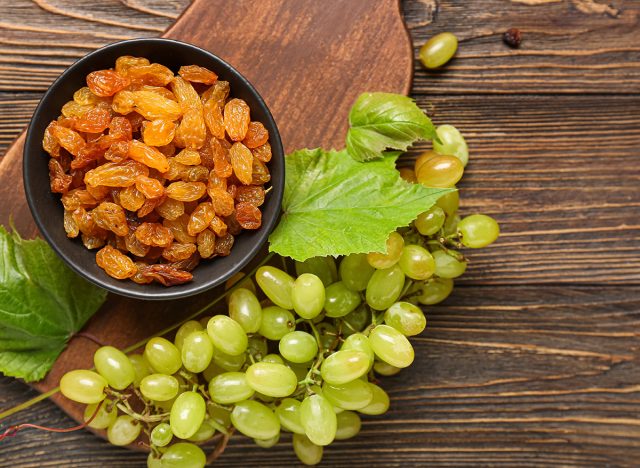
297, 354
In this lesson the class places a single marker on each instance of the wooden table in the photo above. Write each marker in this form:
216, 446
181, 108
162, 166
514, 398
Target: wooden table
535, 359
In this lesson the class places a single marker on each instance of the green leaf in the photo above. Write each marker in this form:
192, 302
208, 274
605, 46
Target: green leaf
384, 120
334, 205
42, 304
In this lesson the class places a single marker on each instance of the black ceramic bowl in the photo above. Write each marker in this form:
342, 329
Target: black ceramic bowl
47, 209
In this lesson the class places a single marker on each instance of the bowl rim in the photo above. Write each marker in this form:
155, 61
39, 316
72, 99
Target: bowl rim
125, 287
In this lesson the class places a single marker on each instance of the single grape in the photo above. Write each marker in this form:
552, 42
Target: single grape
185, 330
187, 414
417, 262
161, 435
355, 272
438, 50
439, 170
384, 287
431, 221
447, 266
276, 284
323, 267
405, 317
229, 388
451, 142
344, 366
162, 355
289, 414
273, 358
450, 226
124, 430
153, 461
257, 347
83, 386
141, 367
356, 320
274, 380
276, 322
385, 369
340, 300
308, 295
359, 342
348, 425
227, 335
205, 432
159, 387
184, 455
114, 366
328, 335
435, 290
391, 346
478, 230
227, 361
449, 202
298, 347
245, 309
255, 420
105, 416
379, 403
307, 452
318, 419
267, 443
390, 256
197, 351
350, 396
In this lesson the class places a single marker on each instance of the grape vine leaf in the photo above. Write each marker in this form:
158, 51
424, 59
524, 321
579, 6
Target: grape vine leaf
379, 121
42, 304
334, 205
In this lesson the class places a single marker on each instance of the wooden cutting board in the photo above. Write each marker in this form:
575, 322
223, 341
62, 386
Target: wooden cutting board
309, 59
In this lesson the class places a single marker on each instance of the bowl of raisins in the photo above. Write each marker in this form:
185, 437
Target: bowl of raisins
154, 169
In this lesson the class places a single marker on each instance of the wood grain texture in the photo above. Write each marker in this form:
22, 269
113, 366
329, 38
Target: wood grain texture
535, 359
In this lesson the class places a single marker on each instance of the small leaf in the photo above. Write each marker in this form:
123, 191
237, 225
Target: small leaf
334, 205
384, 120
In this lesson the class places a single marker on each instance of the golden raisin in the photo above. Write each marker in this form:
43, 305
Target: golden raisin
149, 187
186, 191
178, 227
159, 132
253, 194
170, 209
188, 157
116, 174
148, 156
197, 74
153, 74
111, 217
206, 243
58, 180
131, 199
115, 263
256, 135
106, 82
213, 118
218, 226
177, 251
222, 202
248, 216
218, 92
236, 119
166, 275
154, 234
242, 162
200, 218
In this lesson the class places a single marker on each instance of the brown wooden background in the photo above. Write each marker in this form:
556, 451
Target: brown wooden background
535, 360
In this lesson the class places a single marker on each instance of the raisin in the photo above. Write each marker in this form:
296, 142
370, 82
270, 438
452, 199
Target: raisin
111, 217
177, 251
153, 74
206, 243
87, 155
116, 174
260, 173
221, 164
78, 198
186, 191
256, 136
218, 226
253, 194
149, 187
49, 142
242, 162
168, 150
200, 218
236, 119
233, 226
94, 120
115, 263
224, 245
170, 209
70, 225
176, 170
218, 92
133, 245
131, 199
187, 264
195, 174
153, 106
248, 216
86, 223
92, 242
213, 118
159, 132
117, 152
127, 61
148, 206
154, 234
106, 82
139, 278
232, 190
85, 97
123, 102
120, 129
188, 157
68, 139
206, 154
166, 275
74, 110
197, 74
148, 156
58, 180
179, 229
99, 192
222, 202
185, 93
191, 132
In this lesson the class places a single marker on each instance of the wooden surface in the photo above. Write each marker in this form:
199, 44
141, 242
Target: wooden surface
535, 359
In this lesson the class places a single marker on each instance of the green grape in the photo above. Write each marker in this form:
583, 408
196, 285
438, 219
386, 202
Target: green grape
435, 290
385, 369
318, 419
257, 347
153, 461
344, 366
255, 420
438, 50
301, 370
289, 414
379, 403
348, 425
227, 335
212, 370
164, 406
267, 443
159, 387
205, 432
229, 388
185, 330
197, 351
307, 452
355, 272
298, 347
219, 415
104, 417
439, 170
141, 368
274, 380
162, 355
204, 320
308, 295
385, 287
276, 322
328, 335
227, 361
161, 435
447, 266
356, 321
245, 309
114, 366
83, 386
390, 257
350, 396
124, 430
451, 225
276, 284
407, 318
359, 342
452, 142
184, 455
187, 414
478, 230
323, 267
431, 221
273, 358
340, 300
417, 262
391, 346
449, 202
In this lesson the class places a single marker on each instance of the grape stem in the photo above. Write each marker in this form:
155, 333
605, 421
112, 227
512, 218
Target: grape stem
140, 417
220, 447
